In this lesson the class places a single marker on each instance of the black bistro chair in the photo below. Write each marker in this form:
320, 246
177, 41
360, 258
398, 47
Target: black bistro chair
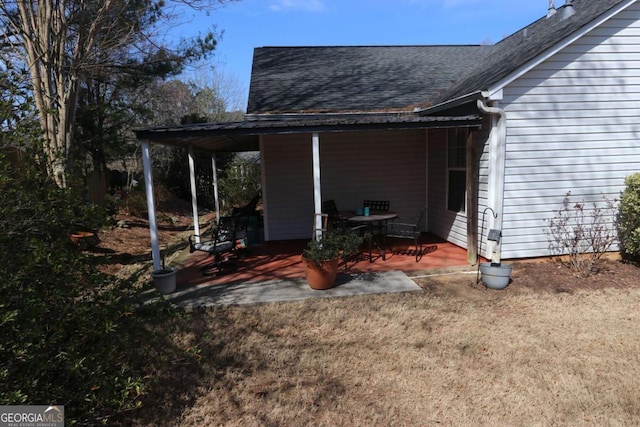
222, 247
334, 218
376, 205
379, 229
408, 228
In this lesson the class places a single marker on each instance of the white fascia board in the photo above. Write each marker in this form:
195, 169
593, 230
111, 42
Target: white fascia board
496, 89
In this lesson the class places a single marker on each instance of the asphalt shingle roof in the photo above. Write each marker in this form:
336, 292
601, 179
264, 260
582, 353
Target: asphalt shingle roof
384, 78
355, 78
523, 46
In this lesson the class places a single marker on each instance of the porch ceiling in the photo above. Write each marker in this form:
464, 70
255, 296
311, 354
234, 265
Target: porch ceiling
244, 136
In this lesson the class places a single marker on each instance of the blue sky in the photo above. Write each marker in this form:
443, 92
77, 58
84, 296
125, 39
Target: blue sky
248, 24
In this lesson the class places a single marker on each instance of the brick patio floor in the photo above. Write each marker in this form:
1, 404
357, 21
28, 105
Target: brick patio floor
281, 260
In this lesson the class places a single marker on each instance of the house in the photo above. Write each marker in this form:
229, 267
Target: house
465, 131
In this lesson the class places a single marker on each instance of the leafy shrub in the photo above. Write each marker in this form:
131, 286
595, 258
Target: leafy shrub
67, 332
583, 235
241, 182
628, 220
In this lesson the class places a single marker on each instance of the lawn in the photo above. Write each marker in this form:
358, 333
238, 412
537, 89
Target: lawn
561, 353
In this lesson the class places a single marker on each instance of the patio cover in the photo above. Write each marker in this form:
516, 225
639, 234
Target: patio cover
245, 136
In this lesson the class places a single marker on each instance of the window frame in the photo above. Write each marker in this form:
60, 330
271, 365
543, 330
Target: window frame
458, 164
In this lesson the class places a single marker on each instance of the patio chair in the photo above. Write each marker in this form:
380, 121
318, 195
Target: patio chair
246, 219
408, 228
334, 218
376, 205
222, 246
379, 229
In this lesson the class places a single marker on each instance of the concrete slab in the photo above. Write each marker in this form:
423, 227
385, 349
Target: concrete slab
288, 290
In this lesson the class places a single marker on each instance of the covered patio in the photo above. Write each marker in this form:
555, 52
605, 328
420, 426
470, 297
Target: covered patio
292, 215
273, 272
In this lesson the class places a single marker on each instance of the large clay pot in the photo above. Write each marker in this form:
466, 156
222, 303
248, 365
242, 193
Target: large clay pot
323, 276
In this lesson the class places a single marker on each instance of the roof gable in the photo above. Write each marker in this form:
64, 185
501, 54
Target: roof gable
355, 78
524, 46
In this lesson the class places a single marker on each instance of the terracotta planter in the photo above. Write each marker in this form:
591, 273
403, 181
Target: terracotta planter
165, 280
84, 239
323, 277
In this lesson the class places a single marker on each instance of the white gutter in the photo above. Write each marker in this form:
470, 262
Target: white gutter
497, 157
461, 100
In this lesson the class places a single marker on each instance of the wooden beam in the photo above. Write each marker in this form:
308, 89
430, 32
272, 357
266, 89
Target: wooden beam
472, 185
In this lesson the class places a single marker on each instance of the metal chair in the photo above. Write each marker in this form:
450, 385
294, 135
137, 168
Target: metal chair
222, 246
336, 220
408, 229
379, 229
376, 205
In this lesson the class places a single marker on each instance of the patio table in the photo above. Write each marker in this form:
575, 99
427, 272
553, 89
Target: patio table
375, 220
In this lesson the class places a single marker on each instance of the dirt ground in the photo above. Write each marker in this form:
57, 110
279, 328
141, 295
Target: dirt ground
127, 242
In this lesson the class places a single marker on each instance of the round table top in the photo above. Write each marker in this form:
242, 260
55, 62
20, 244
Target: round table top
373, 216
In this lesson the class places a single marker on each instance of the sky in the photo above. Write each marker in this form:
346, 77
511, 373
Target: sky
247, 24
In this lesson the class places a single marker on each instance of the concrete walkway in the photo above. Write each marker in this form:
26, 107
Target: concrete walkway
286, 290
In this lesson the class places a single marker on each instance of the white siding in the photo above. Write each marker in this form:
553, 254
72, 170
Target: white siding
288, 186
450, 226
573, 126
382, 165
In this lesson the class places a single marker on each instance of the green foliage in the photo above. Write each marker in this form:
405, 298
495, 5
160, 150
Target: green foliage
339, 243
628, 220
67, 332
583, 234
241, 182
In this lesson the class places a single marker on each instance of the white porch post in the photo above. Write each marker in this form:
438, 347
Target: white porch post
317, 193
194, 195
151, 205
214, 170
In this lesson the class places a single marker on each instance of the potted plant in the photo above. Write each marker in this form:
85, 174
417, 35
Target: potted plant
165, 279
321, 258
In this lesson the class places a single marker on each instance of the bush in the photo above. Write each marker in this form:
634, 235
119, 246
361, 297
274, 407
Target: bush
67, 332
241, 182
583, 235
628, 220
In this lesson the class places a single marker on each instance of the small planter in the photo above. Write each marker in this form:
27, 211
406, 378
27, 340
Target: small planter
84, 239
165, 280
321, 276
495, 276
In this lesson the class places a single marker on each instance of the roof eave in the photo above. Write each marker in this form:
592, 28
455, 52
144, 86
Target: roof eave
452, 103
497, 87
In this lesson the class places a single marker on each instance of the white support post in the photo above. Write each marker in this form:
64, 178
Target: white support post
214, 170
194, 195
317, 190
151, 206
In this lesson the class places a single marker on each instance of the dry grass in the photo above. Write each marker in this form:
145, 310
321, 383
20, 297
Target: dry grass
454, 354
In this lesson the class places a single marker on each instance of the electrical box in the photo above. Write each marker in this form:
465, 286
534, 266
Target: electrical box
494, 235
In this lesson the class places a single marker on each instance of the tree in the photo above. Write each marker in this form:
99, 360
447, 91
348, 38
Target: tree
63, 44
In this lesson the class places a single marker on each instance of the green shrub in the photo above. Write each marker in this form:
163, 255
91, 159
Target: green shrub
628, 220
68, 334
241, 182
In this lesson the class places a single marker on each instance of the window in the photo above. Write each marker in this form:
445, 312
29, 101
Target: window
456, 170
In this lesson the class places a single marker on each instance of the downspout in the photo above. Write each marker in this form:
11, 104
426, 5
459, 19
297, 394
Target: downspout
497, 157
